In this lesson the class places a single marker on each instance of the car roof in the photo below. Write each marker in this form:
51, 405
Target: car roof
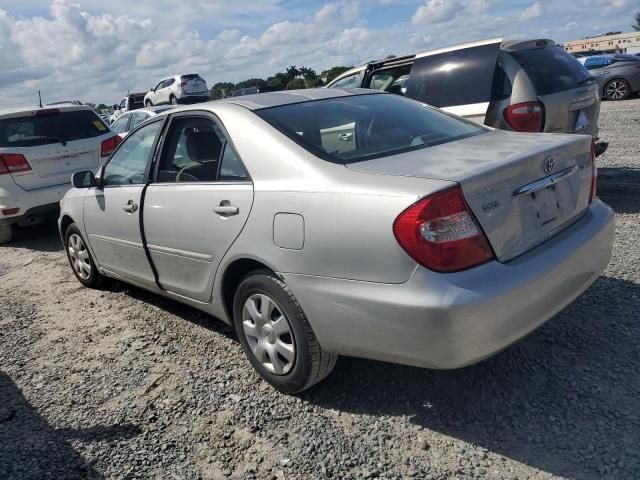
25, 111
288, 97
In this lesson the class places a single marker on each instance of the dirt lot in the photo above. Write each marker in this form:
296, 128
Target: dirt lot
122, 384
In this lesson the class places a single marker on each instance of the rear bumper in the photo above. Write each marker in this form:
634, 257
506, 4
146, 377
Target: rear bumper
32, 203
192, 97
453, 320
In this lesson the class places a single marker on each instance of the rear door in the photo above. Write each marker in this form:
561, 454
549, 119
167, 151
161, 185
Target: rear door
564, 86
458, 80
55, 142
111, 211
196, 206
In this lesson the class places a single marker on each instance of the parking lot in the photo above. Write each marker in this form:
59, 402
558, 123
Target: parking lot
119, 383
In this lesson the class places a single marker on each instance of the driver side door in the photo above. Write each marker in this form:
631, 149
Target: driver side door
111, 210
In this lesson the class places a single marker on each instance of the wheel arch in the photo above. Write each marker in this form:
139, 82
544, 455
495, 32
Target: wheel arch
65, 222
233, 274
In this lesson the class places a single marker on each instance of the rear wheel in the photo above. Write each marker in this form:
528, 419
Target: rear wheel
173, 100
6, 234
618, 89
276, 336
82, 264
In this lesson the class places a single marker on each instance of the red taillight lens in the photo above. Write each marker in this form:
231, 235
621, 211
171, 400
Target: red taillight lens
594, 172
525, 117
440, 233
13, 163
109, 145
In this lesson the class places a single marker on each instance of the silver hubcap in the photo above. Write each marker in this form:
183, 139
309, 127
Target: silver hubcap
79, 257
616, 90
269, 334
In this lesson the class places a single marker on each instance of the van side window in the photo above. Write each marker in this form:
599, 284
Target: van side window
458, 77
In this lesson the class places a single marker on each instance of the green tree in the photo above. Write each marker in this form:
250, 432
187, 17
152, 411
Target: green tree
295, 84
636, 26
278, 81
252, 82
329, 75
291, 73
220, 89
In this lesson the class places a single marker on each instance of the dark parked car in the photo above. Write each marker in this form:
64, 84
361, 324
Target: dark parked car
618, 76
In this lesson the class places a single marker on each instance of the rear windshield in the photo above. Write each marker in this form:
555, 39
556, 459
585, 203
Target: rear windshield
191, 76
51, 128
551, 69
361, 127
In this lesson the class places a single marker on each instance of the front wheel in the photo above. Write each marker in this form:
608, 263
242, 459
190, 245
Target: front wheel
83, 266
148, 103
276, 336
618, 89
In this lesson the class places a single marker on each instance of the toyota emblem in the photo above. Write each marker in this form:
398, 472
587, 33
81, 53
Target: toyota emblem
549, 165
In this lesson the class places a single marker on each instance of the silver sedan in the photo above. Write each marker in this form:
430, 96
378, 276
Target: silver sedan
334, 222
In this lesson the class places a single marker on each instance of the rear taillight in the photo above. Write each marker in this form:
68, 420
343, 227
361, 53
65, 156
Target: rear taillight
440, 233
13, 163
594, 172
525, 117
109, 145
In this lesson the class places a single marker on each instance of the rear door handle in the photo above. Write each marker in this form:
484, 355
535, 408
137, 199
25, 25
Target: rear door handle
130, 207
225, 209
346, 137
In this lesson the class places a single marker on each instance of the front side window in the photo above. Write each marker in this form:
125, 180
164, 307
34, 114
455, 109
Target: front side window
392, 80
123, 104
197, 150
128, 164
360, 127
352, 81
121, 125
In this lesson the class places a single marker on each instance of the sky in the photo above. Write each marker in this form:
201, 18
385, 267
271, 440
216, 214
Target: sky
96, 50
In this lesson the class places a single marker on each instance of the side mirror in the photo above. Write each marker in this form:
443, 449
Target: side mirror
84, 180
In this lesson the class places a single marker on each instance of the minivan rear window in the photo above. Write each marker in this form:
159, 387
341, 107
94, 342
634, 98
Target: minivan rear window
551, 69
361, 127
52, 127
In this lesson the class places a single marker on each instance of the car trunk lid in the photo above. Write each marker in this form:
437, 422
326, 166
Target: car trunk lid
522, 188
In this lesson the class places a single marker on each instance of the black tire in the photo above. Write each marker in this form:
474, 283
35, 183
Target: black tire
7, 233
173, 100
94, 279
311, 362
148, 103
617, 89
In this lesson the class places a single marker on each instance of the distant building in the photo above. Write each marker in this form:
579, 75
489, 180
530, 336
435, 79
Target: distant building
614, 43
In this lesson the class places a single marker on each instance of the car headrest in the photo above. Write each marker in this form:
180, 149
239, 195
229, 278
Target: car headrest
203, 144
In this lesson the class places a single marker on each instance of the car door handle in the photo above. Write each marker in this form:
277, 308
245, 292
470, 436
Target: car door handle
130, 207
346, 137
225, 209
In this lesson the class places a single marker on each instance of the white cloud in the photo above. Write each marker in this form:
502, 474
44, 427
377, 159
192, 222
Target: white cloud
532, 11
435, 11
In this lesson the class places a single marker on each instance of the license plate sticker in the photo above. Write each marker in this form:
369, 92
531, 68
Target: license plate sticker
582, 122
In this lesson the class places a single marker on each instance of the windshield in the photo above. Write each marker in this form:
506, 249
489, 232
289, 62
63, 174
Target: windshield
360, 127
551, 69
52, 127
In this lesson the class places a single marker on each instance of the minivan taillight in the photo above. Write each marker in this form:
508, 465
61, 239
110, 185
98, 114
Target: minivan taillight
109, 145
13, 163
440, 233
594, 172
525, 117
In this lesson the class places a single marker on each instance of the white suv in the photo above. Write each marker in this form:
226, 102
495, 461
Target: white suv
189, 88
40, 148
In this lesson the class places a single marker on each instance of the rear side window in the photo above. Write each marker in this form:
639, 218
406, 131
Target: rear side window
551, 69
349, 129
49, 128
458, 77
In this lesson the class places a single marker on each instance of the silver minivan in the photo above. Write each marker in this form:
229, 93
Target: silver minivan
526, 86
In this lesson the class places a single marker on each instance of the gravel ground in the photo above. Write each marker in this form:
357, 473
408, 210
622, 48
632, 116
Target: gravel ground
121, 384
